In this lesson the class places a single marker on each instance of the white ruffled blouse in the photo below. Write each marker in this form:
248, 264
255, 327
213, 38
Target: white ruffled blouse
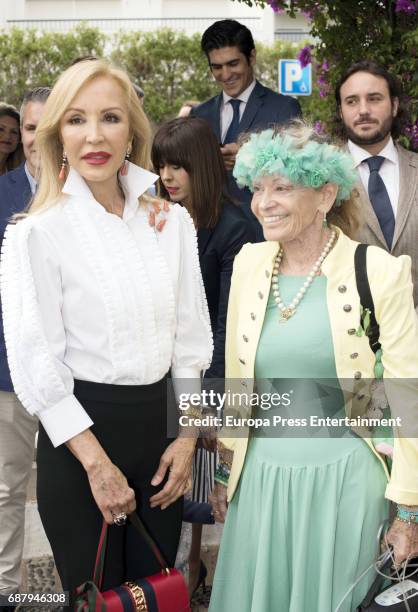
87, 295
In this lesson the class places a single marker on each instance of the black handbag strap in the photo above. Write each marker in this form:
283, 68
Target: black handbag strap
366, 298
140, 527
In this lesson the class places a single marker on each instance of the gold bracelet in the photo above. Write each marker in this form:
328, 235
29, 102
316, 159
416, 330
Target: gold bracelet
192, 412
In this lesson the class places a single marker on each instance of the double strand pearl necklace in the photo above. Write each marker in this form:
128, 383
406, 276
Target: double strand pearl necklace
288, 311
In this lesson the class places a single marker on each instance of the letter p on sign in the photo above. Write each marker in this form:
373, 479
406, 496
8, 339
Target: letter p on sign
293, 79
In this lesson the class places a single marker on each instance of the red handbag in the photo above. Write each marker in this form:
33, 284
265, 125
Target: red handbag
165, 591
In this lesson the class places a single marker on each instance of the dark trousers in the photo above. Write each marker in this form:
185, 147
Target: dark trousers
130, 424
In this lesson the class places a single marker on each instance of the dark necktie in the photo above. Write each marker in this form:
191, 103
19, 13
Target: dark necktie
232, 133
379, 198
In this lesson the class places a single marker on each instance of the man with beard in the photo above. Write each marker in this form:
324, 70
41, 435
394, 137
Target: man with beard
370, 114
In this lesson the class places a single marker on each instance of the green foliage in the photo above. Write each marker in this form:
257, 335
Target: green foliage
168, 65
31, 59
171, 68
346, 31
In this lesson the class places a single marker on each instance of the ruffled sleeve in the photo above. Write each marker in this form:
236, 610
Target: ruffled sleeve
193, 342
31, 292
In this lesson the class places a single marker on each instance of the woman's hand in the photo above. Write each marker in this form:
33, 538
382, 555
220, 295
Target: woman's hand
404, 539
154, 216
217, 499
108, 485
229, 153
110, 490
177, 458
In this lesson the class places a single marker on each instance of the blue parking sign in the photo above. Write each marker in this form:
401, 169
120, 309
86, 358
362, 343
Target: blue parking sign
293, 79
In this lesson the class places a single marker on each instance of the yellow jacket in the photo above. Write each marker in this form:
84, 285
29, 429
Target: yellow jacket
391, 287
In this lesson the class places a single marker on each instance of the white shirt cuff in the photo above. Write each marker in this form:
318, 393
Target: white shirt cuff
186, 381
64, 420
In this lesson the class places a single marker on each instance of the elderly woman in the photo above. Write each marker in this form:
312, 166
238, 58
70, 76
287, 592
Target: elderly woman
98, 307
11, 153
304, 512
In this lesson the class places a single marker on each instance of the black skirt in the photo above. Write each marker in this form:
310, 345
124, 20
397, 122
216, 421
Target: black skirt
130, 423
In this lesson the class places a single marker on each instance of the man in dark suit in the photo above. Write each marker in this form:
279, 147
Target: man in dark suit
17, 427
370, 117
244, 104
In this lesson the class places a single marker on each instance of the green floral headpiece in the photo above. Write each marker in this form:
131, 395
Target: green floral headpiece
312, 165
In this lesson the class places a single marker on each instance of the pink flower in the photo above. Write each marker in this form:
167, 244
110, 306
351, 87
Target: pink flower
324, 90
308, 14
406, 6
274, 4
305, 55
411, 131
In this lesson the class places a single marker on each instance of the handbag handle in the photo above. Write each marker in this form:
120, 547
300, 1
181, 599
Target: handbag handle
101, 549
366, 298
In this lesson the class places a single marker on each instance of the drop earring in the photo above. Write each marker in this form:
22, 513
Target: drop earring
125, 166
324, 221
64, 163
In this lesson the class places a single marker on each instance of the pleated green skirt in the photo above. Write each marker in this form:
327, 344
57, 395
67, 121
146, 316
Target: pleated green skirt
302, 526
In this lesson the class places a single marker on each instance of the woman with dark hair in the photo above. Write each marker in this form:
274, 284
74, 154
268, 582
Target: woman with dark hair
186, 155
10, 148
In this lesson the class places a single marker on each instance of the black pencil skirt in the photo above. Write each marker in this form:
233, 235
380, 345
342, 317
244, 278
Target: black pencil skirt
130, 424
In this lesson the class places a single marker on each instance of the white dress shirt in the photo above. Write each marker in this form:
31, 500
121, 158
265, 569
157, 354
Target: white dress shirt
389, 170
91, 296
227, 112
32, 183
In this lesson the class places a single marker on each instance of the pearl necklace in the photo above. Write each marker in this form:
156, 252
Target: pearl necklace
288, 311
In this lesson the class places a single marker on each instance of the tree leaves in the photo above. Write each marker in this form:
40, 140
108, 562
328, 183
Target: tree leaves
347, 31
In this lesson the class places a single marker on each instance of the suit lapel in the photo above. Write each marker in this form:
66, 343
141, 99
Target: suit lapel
255, 101
203, 236
369, 216
407, 187
217, 125
20, 189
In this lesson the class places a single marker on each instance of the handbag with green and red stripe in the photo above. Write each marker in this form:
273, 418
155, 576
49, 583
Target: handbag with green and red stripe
165, 591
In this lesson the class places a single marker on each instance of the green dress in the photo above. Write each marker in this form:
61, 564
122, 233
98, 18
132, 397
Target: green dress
303, 522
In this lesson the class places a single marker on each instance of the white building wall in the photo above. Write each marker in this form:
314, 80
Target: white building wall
72, 9
188, 15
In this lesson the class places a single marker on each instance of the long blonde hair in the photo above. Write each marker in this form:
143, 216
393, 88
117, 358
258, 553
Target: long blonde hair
48, 140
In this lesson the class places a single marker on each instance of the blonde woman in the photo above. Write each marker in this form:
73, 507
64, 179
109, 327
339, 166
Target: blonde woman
98, 306
305, 503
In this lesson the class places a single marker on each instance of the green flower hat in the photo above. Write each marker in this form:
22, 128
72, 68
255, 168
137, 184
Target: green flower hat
312, 165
